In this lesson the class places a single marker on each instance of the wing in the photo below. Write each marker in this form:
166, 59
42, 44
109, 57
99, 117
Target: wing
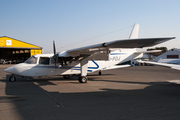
173, 66
126, 43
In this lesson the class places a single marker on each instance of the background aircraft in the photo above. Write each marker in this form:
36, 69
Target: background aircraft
82, 60
173, 66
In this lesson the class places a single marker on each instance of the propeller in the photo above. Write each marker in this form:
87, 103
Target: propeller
55, 54
54, 47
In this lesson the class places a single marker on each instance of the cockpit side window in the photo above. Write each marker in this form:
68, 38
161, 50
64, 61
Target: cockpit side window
31, 60
44, 60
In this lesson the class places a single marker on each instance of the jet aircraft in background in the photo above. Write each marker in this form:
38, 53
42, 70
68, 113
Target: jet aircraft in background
87, 59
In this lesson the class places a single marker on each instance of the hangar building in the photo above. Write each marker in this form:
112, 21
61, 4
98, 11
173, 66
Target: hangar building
12, 49
171, 56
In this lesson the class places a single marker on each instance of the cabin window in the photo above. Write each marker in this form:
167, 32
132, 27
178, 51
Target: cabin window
52, 60
44, 60
31, 60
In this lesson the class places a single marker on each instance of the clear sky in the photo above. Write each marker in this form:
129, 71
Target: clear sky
75, 23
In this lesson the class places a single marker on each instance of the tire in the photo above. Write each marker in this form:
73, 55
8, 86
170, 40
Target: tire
66, 76
82, 79
99, 73
12, 78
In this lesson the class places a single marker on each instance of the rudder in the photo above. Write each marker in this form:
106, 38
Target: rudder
134, 32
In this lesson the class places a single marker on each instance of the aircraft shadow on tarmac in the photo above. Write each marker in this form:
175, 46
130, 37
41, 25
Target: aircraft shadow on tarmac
160, 100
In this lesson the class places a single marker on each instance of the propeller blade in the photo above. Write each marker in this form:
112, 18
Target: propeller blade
54, 47
55, 55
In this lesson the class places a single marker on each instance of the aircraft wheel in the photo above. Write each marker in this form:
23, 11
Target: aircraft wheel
82, 79
99, 73
66, 76
12, 78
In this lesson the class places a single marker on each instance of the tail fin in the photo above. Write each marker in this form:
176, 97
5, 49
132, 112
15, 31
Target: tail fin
134, 32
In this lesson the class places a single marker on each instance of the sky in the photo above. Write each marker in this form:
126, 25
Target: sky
77, 23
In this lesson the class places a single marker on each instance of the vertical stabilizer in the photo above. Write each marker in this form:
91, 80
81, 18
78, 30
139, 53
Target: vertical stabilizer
134, 32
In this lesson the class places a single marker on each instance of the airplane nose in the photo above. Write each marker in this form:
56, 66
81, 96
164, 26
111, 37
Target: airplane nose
10, 70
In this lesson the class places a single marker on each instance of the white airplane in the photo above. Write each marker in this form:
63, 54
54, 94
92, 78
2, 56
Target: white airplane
86, 59
173, 66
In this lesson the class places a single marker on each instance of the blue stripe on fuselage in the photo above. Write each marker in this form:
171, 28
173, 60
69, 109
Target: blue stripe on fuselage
117, 53
97, 66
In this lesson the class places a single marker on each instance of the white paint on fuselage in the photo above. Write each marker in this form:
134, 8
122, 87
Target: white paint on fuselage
34, 70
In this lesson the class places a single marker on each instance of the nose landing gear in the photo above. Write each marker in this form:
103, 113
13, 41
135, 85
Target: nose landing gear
12, 78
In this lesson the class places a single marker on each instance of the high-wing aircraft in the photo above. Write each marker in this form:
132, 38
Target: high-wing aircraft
87, 59
173, 66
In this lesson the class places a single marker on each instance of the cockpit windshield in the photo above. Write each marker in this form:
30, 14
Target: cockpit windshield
31, 60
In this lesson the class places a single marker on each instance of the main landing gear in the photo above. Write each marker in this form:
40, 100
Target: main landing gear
66, 76
82, 79
12, 78
83, 65
99, 73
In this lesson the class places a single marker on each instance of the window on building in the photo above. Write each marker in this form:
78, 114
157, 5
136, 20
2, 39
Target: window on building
172, 56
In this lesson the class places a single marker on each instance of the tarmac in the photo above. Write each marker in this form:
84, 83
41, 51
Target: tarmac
134, 93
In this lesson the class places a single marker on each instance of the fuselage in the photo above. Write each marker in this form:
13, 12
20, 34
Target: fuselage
44, 64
